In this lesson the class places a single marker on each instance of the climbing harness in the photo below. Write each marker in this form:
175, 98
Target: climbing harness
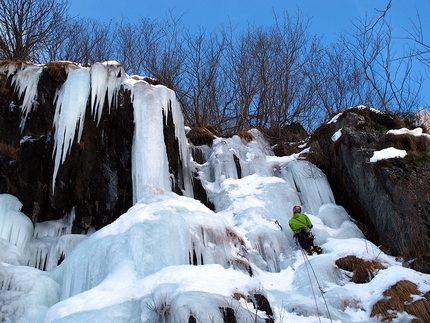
307, 262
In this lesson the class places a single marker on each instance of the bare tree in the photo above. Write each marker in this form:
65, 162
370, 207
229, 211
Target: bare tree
240, 70
86, 41
294, 52
129, 45
26, 27
200, 81
421, 50
163, 51
336, 78
393, 86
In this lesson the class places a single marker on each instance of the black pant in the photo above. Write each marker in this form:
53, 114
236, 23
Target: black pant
305, 239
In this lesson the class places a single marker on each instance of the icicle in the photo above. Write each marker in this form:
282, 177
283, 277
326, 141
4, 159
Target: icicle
26, 80
106, 79
47, 252
71, 103
99, 74
55, 228
116, 75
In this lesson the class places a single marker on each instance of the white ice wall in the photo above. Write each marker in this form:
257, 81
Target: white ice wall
163, 231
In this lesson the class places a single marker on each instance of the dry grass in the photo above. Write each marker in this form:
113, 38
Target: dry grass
413, 144
319, 131
238, 296
57, 71
152, 81
381, 121
363, 270
8, 151
199, 136
18, 63
398, 299
246, 136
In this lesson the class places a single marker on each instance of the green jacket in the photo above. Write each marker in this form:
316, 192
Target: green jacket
299, 221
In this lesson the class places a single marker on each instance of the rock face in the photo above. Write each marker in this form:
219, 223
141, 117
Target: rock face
95, 178
390, 197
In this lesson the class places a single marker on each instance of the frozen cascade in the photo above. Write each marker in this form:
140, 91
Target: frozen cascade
150, 236
312, 184
71, 103
286, 179
170, 295
47, 252
231, 195
149, 157
222, 161
242, 209
52, 242
25, 81
116, 75
251, 157
15, 226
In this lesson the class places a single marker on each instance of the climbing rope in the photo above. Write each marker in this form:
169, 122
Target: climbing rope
279, 224
307, 262
310, 280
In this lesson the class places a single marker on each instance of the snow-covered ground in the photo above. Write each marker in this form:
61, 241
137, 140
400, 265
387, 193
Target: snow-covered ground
170, 257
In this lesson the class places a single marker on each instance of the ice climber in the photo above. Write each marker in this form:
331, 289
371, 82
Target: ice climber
301, 226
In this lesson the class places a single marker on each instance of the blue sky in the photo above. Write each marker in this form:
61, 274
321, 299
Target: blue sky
328, 17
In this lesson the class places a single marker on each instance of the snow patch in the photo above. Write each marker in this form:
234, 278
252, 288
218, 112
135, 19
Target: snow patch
336, 135
387, 153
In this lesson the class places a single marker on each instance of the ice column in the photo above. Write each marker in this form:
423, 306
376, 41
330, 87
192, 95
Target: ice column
149, 157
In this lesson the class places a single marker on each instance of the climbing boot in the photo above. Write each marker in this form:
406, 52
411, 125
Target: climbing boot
318, 250
310, 251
